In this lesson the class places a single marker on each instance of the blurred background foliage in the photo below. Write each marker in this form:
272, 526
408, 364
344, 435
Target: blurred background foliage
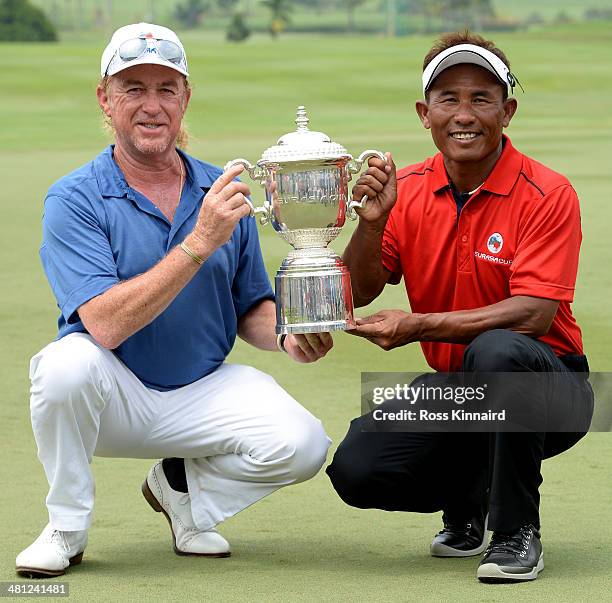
29, 20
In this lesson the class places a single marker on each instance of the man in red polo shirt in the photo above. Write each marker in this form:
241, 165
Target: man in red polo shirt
487, 241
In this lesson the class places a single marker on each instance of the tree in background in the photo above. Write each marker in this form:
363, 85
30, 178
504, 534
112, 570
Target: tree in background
469, 13
238, 30
279, 15
351, 5
190, 12
22, 22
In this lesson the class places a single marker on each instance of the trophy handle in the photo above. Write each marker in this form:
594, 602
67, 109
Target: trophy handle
259, 175
353, 167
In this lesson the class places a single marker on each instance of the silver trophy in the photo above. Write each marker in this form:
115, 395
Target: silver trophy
306, 178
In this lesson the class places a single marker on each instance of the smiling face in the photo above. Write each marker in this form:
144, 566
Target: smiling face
146, 104
466, 113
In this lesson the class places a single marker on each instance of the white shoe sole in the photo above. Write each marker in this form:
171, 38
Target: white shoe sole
441, 550
491, 572
40, 572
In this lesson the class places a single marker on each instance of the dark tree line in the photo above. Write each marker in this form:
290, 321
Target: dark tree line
20, 21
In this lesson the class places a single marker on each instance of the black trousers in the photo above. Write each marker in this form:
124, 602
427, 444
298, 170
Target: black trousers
460, 473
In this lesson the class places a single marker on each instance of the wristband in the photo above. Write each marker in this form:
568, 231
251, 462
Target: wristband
191, 253
280, 342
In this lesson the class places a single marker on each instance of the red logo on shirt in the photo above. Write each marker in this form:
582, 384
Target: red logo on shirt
495, 243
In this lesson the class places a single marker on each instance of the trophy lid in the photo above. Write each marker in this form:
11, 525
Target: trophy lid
303, 145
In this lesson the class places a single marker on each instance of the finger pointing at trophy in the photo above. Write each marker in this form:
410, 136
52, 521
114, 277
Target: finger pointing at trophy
306, 176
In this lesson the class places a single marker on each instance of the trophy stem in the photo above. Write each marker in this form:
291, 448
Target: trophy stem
313, 293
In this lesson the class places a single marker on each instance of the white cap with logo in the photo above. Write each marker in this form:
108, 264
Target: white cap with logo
468, 53
142, 43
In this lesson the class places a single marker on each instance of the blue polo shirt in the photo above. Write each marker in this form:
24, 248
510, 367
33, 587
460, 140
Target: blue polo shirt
97, 232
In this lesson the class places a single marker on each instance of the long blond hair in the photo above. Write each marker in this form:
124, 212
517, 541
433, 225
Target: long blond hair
182, 140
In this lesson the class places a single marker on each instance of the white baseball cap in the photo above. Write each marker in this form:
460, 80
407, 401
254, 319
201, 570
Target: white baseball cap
141, 43
468, 53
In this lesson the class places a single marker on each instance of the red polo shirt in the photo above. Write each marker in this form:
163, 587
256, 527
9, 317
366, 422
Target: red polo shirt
519, 234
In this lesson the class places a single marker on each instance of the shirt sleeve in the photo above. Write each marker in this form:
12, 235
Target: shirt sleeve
76, 254
546, 260
251, 284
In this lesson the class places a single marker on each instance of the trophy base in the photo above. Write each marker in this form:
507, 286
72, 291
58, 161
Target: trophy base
313, 293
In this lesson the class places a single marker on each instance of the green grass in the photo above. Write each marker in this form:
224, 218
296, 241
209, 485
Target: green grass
302, 543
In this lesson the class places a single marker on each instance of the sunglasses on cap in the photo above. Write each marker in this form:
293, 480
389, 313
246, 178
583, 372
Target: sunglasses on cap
133, 49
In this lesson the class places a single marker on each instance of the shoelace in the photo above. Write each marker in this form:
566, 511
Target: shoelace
516, 543
56, 537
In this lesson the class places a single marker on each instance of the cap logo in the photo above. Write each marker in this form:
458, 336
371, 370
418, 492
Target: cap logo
511, 80
151, 48
495, 243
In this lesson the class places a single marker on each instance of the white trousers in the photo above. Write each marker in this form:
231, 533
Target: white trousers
241, 435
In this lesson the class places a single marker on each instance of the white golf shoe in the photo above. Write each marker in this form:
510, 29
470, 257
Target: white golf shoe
187, 539
51, 553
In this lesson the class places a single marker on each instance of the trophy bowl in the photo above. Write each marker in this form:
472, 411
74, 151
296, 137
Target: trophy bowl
306, 176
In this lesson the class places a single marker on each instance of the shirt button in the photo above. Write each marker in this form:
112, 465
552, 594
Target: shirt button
464, 239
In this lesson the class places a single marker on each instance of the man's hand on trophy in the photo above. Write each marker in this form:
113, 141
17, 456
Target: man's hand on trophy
308, 347
389, 329
222, 208
379, 184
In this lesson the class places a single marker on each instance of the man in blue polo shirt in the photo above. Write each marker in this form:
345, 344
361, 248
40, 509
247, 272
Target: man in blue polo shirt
156, 267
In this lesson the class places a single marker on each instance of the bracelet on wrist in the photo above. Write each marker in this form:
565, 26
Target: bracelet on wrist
191, 253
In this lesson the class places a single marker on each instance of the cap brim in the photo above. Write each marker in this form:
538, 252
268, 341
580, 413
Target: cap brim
494, 65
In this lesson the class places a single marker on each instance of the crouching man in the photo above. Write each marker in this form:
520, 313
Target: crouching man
156, 268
